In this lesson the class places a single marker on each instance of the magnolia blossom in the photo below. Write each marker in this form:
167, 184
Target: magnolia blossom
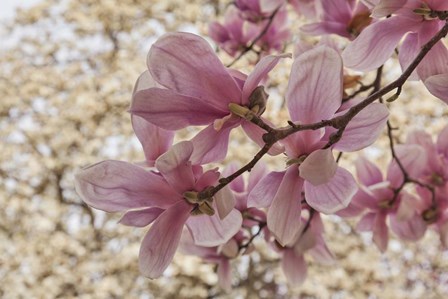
314, 93
309, 241
257, 10
198, 90
167, 198
237, 33
378, 41
219, 255
223, 254
435, 172
434, 211
306, 8
345, 18
379, 196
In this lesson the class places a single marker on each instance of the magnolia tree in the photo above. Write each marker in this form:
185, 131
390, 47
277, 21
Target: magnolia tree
200, 209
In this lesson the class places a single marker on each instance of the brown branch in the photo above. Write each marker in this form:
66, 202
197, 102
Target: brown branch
252, 238
375, 85
339, 122
257, 38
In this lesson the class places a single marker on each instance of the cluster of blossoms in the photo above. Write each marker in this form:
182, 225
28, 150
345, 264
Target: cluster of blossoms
263, 23
187, 85
424, 165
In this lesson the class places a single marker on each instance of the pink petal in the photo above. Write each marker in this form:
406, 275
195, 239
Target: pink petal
412, 157
261, 70
161, 241
322, 254
294, 267
225, 275
211, 231
173, 111
114, 186
218, 32
256, 133
176, 168
443, 231
387, 7
367, 198
267, 6
188, 247
334, 195
284, 213
408, 51
412, 229
257, 173
334, 10
376, 43
237, 184
367, 172
425, 140
211, 145
306, 241
186, 63
319, 167
230, 249
307, 101
352, 210
436, 61
364, 129
437, 85
407, 208
326, 27
442, 142
209, 178
155, 141
225, 202
366, 223
263, 193
145, 81
141, 218
437, 4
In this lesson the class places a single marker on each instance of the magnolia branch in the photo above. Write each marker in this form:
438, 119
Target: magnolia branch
250, 47
340, 122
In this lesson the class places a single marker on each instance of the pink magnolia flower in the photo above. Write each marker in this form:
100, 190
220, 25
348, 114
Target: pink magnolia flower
235, 34
223, 254
379, 40
241, 189
198, 90
379, 196
166, 199
257, 10
219, 255
154, 140
277, 34
309, 241
345, 18
436, 170
434, 213
306, 8
314, 93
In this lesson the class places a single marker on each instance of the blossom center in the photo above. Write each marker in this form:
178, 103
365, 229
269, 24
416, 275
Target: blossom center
201, 207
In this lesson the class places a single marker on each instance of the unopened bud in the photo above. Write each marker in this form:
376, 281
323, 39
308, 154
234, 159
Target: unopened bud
257, 100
